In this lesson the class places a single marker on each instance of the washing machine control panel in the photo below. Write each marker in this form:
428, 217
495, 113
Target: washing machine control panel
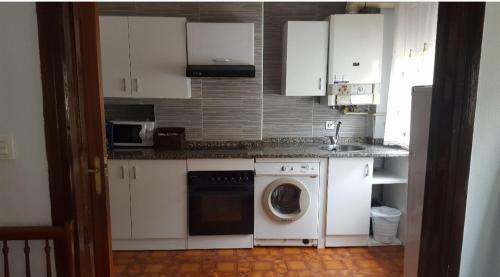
287, 168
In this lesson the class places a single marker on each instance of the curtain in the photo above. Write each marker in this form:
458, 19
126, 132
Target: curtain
412, 65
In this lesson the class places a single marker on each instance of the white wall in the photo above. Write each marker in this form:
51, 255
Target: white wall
378, 122
24, 189
481, 246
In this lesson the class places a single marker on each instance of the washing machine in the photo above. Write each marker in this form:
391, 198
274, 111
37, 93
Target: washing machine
286, 203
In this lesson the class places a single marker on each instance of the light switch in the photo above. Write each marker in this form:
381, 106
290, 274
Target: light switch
6, 148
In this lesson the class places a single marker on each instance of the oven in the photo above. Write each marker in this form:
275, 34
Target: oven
220, 202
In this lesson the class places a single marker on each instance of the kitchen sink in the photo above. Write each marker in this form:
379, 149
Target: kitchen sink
342, 148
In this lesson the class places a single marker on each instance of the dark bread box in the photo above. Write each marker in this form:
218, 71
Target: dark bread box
170, 138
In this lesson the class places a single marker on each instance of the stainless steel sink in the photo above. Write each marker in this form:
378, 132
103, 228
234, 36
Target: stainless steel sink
342, 148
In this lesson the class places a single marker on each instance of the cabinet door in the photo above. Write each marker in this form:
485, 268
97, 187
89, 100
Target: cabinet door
119, 199
158, 57
356, 48
220, 43
115, 56
305, 51
349, 196
159, 199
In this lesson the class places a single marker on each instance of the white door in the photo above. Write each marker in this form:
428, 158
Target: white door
159, 199
356, 48
119, 199
158, 57
305, 59
349, 196
115, 62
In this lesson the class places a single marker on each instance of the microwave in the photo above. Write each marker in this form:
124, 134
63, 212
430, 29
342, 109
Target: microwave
132, 133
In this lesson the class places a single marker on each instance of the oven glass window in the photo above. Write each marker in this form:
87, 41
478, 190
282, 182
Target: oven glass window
286, 199
123, 133
221, 208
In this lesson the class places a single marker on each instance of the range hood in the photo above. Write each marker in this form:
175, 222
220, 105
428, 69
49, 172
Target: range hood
220, 50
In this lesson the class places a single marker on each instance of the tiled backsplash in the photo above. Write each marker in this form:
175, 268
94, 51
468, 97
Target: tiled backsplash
243, 108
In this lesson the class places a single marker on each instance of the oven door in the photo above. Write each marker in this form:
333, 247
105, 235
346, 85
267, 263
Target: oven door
220, 209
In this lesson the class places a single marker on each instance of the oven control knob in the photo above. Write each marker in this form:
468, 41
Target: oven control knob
283, 168
246, 178
232, 179
218, 179
239, 179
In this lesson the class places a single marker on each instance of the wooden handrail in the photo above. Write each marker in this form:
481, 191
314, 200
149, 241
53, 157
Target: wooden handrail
42, 233
33, 233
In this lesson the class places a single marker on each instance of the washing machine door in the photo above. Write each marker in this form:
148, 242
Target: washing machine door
286, 199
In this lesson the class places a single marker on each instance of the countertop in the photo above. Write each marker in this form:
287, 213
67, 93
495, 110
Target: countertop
259, 150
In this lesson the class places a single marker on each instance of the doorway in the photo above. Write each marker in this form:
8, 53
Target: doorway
434, 229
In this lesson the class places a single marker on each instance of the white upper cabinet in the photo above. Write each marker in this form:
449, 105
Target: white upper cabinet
144, 57
220, 43
355, 52
158, 57
305, 58
115, 56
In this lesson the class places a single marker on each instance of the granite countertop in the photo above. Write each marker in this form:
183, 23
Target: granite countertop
256, 150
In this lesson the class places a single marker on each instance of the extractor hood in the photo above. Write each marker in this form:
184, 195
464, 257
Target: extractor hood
220, 50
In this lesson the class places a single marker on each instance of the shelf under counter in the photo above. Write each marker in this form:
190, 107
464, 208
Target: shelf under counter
381, 177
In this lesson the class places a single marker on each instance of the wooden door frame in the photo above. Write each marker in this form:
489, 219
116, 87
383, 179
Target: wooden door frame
68, 32
70, 66
456, 72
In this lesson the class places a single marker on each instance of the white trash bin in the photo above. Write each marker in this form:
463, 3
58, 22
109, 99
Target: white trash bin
385, 222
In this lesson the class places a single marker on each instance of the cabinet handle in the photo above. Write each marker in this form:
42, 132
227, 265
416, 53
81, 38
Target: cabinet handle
367, 170
124, 86
136, 84
134, 171
123, 171
320, 83
221, 60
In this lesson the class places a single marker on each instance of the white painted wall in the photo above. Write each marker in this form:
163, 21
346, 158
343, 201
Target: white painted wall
24, 190
481, 247
378, 122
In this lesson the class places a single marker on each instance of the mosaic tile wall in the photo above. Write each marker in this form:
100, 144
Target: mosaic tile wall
243, 108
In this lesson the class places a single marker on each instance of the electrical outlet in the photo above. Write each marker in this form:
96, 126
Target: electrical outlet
329, 124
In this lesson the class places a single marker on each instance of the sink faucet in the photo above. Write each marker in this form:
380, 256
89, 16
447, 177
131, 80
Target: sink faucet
335, 139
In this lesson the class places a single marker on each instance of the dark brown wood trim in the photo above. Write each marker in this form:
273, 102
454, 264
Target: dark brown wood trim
54, 69
458, 52
33, 233
72, 95
64, 131
58, 81
89, 69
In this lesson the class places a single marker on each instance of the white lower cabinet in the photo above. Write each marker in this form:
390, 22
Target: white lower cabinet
148, 200
348, 201
119, 199
159, 199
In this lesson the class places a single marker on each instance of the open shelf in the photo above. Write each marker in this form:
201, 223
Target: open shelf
381, 176
372, 242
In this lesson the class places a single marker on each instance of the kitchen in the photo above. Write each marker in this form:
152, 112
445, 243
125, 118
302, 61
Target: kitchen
54, 190
261, 126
